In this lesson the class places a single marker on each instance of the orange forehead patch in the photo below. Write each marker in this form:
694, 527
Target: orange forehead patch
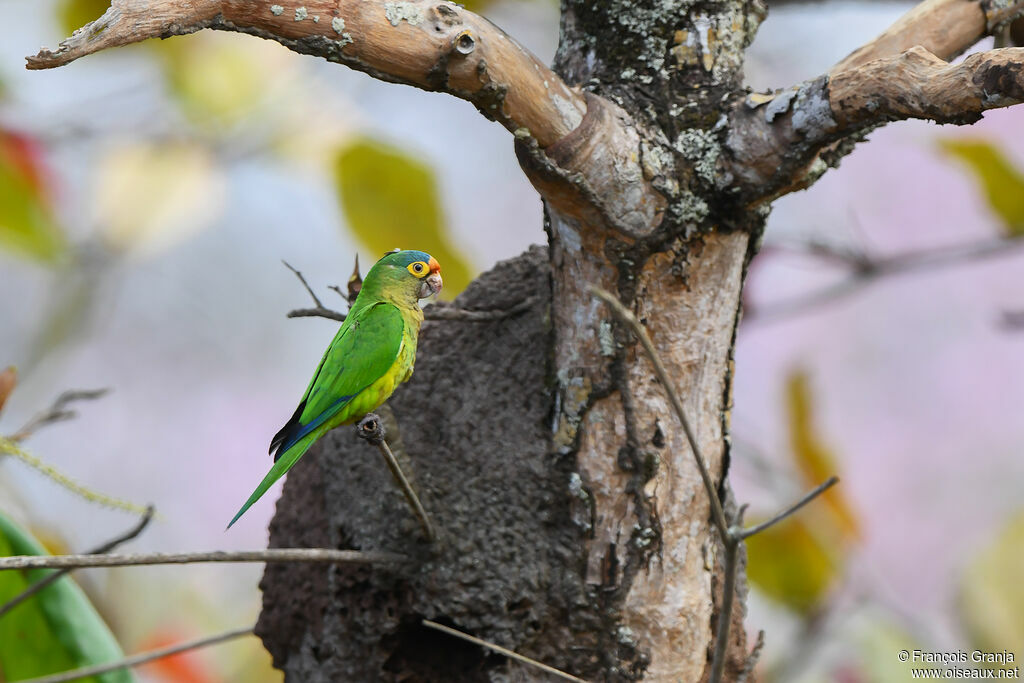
434, 266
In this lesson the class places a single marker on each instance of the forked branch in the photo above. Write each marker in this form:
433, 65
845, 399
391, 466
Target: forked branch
784, 141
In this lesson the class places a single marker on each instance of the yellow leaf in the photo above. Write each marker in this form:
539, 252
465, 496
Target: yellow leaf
152, 196
1002, 184
789, 565
391, 200
813, 458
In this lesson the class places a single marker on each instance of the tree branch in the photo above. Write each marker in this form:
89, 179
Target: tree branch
946, 28
782, 142
141, 658
371, 430
431, 45
866, 269
501, 650
53, 577
133, 560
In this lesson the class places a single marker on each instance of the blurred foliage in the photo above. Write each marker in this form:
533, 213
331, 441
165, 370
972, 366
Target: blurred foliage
53, 631
1002, 184
813, 458
991, 598
8, 381
797, 561
877, 648
151, 196
790, 565
391, 200
74, 14
220, 79
27, 224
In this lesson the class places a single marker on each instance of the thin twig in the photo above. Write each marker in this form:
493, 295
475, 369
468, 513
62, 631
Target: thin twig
371, 429
141, 658
435, 312
320, 312
305, 284
808, 497
866, 269
627, 317
501, 650
731, 568
137, 559
99, 550
58, 412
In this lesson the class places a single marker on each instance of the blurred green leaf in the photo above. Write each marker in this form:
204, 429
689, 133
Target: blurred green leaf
1002, 184
391, 200
57, 629
74, 14
27, 224
789, 565
991, 595
219, 79
814, 459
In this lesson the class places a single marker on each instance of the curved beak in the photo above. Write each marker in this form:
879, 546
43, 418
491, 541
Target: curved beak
432, 283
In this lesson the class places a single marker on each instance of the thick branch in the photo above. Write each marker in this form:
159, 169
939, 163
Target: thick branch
946, 28
918, 85
428, 44
782, 142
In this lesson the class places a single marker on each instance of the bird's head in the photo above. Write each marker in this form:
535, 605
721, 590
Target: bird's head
410, 274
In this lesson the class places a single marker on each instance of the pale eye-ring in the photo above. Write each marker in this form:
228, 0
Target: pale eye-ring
418, 268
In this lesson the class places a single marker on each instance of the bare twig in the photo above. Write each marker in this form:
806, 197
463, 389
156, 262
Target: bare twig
449, 312
501, 650
305, 284
371, 429
325, 555
99, 550
730, 532
808, 497
141, 658
58, 412
320, 312
866, 269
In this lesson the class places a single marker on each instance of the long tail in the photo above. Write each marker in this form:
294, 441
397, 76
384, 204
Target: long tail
283, 463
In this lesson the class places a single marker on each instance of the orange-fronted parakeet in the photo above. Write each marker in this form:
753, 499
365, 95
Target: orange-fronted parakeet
370, 356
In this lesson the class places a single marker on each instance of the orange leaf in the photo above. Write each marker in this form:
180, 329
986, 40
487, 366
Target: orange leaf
814, 459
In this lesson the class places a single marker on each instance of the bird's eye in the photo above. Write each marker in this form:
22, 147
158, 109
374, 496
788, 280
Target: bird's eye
418, 268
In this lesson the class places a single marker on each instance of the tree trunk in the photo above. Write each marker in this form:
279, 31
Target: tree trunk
576, 528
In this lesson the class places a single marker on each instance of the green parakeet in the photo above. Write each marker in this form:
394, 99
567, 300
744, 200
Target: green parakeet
370, 356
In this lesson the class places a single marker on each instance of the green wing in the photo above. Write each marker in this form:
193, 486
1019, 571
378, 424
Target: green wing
364, 349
